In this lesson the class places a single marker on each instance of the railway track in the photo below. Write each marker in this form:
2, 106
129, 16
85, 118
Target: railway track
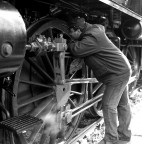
83, 133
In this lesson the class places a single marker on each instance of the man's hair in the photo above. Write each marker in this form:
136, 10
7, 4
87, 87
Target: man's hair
77, 23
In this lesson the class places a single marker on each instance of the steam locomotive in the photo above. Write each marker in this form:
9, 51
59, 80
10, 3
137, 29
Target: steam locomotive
44, 89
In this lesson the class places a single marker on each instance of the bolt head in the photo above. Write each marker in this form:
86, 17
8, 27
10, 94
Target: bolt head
6, 49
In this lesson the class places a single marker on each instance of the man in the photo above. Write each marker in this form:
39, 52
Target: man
111, 67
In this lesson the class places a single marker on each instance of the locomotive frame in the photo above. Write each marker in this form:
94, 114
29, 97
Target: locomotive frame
53, 86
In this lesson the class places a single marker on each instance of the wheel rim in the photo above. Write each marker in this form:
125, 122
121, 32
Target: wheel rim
94, 90
132, 54
34, 82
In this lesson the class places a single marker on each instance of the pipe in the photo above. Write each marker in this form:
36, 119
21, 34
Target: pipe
4, 110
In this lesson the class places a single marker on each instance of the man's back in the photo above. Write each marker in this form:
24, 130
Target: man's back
105, 59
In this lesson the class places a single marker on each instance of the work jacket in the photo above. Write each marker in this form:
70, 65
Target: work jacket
108, 63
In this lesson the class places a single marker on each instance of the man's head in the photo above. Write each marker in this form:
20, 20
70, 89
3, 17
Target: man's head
74, 33
76, 26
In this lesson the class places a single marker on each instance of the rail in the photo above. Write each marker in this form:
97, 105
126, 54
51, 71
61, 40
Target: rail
85, 131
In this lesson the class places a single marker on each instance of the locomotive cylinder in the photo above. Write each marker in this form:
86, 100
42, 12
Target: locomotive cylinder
12, 39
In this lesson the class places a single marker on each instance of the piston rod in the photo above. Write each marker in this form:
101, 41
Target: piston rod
86, 105
83, 80
69, 114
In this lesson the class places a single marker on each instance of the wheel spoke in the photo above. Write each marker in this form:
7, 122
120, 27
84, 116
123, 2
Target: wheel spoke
50, 64
40, 70
36, 84
35, 98
96, 88
51, 34
72, 103
131, 55
77, 93
44, 107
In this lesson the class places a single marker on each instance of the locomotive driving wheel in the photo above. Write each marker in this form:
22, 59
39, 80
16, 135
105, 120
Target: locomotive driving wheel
35, 86
133, 55
36, 90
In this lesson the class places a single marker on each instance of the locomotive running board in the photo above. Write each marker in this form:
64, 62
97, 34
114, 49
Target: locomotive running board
122, 8
20, 124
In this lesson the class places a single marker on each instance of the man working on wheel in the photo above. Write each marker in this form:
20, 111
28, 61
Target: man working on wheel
111, 67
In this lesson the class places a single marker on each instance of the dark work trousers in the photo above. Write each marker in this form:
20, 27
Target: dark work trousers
116, 112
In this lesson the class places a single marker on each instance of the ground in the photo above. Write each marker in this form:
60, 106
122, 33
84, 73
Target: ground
136, 124
94, 136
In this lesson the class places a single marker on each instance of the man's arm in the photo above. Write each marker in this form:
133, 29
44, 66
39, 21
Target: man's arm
87, 46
